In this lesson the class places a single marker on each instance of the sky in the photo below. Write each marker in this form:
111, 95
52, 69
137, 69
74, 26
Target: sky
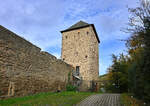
40, 22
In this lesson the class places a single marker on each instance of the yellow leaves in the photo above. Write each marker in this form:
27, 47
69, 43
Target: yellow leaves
135, 54
134, 43
129, 101
109, 75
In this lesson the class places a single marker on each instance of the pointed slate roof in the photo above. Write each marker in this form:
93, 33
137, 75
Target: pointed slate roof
78, 25
81, 24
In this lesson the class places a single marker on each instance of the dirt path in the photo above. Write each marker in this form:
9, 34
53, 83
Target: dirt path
101, 100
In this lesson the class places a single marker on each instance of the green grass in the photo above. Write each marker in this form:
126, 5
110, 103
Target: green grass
126, 100
52, 99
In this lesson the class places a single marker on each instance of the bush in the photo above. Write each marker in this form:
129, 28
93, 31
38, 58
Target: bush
71, 88
129, 100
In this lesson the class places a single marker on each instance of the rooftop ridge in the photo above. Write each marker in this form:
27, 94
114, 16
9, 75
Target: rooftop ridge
77, 25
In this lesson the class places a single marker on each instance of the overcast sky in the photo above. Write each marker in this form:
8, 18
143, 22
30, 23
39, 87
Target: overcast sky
40, 22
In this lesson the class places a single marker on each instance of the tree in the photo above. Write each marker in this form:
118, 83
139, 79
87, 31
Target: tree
117, 75
131, 73
139, 50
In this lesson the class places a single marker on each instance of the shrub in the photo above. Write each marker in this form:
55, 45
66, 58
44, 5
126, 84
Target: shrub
70, 87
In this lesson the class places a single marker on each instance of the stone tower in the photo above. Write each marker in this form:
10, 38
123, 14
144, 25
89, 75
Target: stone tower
80, 48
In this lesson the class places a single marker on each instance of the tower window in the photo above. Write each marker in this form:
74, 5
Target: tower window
86, 56
87, 32
66, 37
77, 70
63, 58
78, 33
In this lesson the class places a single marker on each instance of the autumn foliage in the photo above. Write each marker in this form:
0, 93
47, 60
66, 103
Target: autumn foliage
131, 73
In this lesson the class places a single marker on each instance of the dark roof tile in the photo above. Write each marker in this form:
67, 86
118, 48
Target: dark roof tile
78, 25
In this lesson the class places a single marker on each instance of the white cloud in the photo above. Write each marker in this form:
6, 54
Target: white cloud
40, 21
35, 21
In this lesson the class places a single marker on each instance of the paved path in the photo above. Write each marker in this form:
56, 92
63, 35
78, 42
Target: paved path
101, 100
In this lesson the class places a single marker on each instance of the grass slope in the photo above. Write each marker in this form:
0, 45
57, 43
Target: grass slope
126, 100
47, 99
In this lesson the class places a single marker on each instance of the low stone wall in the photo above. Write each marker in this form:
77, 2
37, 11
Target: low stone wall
25, 69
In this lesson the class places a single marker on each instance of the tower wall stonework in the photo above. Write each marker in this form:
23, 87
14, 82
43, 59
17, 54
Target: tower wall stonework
81, 48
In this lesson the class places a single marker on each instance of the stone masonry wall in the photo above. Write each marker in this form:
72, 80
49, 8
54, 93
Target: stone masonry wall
80, 48
25, 69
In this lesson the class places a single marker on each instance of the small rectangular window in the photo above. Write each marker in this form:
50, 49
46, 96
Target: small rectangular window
78, 70
66, 37
86, 56
87, 32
